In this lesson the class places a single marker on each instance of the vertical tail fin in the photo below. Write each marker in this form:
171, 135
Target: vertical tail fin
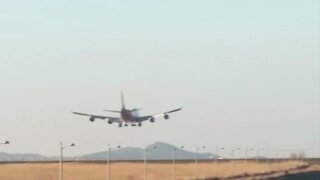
122, 101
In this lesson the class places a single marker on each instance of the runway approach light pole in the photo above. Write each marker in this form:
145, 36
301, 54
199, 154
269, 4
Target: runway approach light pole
232, 159
246, 153
108, 161
62, 147
233, 151
268, 155
258, 155
145, 161
218, 149
174, 160
198, 148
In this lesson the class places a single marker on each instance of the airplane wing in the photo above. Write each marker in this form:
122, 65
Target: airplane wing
93, 117
149, 117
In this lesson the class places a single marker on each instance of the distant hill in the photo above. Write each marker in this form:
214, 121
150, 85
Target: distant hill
155, 151
127, 153
22, 157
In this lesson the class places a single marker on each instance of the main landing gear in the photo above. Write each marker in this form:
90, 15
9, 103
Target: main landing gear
133, 124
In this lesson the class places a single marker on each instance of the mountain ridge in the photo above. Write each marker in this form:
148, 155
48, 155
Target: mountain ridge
154, 151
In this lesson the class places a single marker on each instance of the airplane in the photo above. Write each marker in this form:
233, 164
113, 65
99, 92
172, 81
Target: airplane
127, 116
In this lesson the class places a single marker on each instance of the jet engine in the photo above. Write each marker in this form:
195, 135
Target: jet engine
166, 116
109, 122
152, 119
92, 119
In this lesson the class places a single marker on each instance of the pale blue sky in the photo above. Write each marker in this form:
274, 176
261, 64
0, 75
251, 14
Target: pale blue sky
246, 72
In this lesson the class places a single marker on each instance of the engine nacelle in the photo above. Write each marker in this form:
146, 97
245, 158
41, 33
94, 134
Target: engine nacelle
166, 116
92, 119
109, 122
152, 119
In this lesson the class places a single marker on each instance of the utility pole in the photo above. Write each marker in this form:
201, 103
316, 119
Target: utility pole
174, 161
62, 147
145, 162
108, 161
196, 158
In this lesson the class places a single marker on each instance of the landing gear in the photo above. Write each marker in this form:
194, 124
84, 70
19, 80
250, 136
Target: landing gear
130, 124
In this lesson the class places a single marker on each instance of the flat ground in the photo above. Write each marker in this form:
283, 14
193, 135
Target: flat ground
135, 170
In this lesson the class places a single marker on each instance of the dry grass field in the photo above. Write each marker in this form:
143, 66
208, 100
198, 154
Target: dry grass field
134, 170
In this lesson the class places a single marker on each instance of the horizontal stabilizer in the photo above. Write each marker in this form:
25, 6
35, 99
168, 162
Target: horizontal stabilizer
112, 111
136, 109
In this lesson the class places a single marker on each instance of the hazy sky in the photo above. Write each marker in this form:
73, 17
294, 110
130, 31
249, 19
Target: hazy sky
246, 73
